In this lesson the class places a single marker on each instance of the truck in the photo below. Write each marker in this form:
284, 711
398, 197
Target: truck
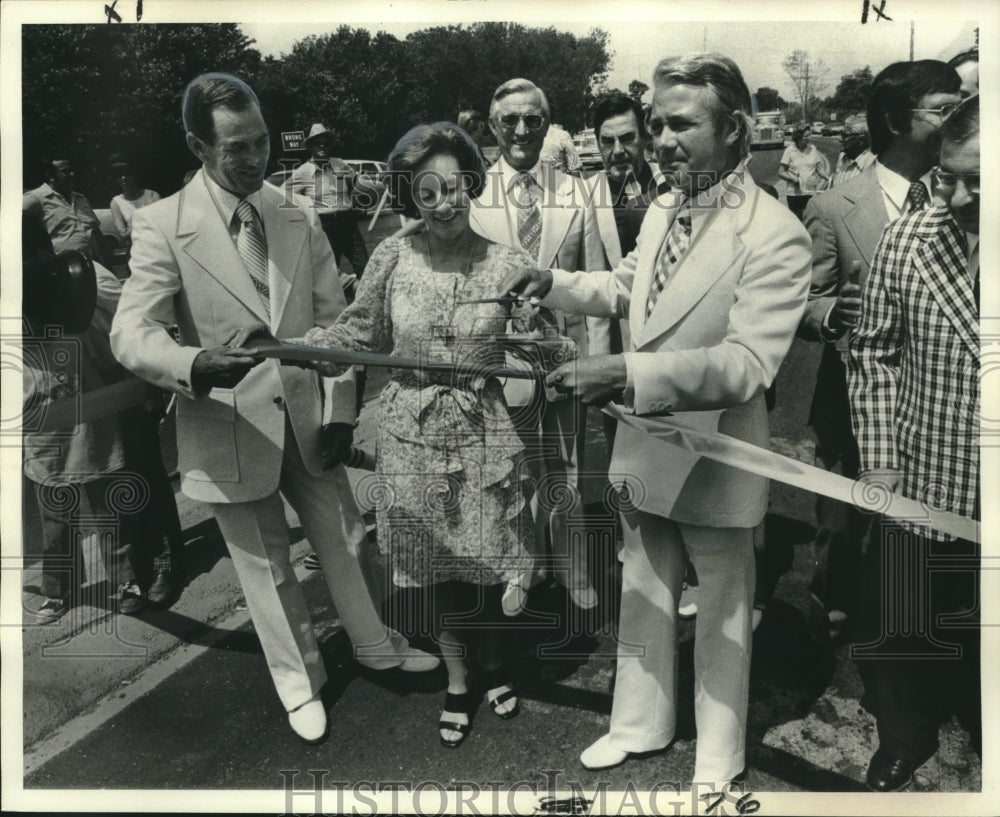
768, 131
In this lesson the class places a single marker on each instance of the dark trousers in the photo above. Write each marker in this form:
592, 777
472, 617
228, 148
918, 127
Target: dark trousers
797, 204
113, 516
918, 640
159, 546
840, 526
345, 238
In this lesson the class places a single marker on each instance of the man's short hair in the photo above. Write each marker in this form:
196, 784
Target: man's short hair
49, 164
971, 55
468, 118
900, 87
963, 123
517, 86
420, 144
856, 123
723, 76
615, 105
210, 91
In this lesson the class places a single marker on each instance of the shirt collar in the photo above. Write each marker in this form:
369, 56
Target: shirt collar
705, 203
509, 174
49, 190
897, 187
226, 202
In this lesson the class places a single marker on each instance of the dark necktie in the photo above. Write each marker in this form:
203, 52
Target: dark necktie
916, 198
529, 214
676, 244
252, 248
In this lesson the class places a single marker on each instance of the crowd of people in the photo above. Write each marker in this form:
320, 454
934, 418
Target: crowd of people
673, 294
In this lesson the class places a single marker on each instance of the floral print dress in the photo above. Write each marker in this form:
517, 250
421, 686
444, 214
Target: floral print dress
452, 485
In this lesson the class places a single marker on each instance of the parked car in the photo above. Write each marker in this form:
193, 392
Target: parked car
832, 129
585, 143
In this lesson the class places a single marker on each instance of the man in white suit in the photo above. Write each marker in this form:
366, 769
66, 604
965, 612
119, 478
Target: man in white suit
531, 204
221, 254
713, 292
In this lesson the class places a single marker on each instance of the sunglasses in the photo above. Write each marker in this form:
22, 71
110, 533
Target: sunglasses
532, 121
949, 181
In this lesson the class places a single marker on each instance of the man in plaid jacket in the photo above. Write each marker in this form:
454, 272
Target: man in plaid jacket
913, 380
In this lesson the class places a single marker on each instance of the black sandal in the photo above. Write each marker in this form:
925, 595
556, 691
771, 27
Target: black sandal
494, 679
462, 702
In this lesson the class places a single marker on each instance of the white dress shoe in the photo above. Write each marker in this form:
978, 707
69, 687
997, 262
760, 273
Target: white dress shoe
309, 721
602, 755
516, 595
418, 661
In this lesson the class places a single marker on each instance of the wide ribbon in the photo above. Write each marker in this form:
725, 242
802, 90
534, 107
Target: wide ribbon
867, 495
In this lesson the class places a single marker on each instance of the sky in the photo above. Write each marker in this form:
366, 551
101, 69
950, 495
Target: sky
757, 47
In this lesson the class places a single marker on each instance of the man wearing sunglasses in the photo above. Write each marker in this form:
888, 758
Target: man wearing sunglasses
913, 379
906, 107
533, 205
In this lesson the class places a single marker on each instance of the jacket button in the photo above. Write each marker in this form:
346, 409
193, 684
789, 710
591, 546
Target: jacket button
279, 402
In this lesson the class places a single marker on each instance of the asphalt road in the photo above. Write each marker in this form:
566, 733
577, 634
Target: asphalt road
180, 698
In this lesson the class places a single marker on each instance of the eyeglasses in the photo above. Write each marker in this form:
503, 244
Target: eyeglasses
532, 121
949, 181
944, 111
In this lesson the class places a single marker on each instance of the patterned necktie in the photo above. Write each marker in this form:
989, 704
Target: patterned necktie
529, 214
253, 250
677, 242
916, 198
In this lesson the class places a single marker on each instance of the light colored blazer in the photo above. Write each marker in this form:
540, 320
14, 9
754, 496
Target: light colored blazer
186, 270
570, 237
709, 350
845, 225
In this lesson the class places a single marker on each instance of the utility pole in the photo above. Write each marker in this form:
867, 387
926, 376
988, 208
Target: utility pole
805, 97
911, 40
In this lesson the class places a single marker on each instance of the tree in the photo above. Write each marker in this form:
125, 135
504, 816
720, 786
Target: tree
852, 93
90, 90
769, 99
808, 76
636, 88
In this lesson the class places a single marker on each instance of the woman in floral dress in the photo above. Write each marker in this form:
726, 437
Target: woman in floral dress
452, 490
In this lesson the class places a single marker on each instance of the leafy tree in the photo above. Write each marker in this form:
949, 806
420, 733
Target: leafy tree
852, 92
769, 99
636, 88
91, 90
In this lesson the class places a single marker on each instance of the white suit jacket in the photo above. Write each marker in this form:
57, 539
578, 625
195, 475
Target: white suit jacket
711, 346
570, 236
186, 270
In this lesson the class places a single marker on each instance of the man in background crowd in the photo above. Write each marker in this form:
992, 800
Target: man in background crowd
329, 183
67, 216
855, 154
967, 66
914, 389
531, 204
906, 107
474, 123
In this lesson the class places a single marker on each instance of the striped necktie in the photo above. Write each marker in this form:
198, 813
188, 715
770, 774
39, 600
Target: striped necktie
252, 248
529, 214
676, 244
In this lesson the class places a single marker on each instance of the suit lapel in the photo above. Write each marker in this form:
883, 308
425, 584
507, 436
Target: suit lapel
867, 217
714, 249
285, 230
557, 213
656, 223
942, 265
206, 240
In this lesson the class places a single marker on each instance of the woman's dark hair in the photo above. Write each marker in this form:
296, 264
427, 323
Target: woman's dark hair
119, 162
900, 87
421, 143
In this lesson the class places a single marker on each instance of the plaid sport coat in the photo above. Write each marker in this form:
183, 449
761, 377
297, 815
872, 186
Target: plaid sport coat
913, 370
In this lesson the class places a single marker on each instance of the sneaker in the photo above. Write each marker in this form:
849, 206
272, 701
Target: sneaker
130, 599
52, 609
688, 607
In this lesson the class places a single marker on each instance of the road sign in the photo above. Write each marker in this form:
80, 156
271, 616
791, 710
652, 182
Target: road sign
293, 140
